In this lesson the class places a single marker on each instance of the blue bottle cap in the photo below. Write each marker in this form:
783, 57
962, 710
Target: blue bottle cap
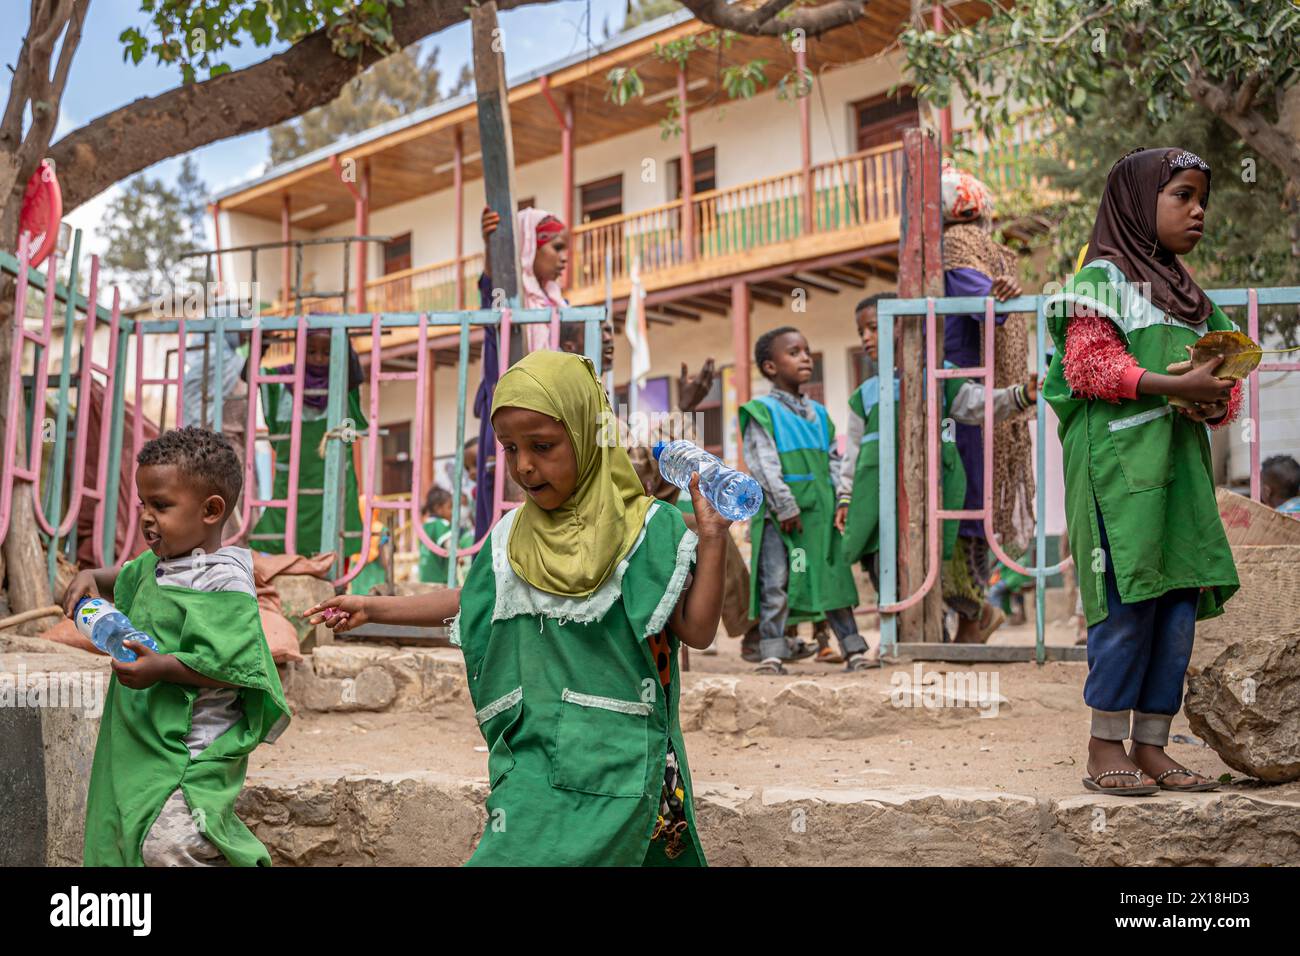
659, 448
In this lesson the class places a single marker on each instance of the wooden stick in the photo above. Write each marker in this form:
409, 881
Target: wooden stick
15, 619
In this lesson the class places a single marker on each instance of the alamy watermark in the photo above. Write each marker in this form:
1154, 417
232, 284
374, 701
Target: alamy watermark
77, 690
627, 429
936, 689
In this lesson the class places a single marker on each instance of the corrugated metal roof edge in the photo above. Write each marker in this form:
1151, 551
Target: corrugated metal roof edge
446, 106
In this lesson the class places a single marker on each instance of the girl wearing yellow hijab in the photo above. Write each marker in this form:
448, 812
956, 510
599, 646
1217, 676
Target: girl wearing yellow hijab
570, 620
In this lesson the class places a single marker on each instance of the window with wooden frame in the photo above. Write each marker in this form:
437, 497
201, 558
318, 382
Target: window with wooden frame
602, 199
704, 167
816, 386
397, 254
880, 120
395, 447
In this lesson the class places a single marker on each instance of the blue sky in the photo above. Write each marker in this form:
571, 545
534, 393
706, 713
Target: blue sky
100, 81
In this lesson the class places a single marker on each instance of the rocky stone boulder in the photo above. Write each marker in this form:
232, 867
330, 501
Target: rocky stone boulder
1244, 704
298, 592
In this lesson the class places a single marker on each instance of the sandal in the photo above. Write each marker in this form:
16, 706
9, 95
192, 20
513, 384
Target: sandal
862, 662
828, 655
770, 665
1091, 783
1203, 787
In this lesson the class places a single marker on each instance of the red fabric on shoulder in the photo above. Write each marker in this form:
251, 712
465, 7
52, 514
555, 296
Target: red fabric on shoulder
1096, 364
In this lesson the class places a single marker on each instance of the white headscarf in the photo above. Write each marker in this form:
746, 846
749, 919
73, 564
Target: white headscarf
535, 296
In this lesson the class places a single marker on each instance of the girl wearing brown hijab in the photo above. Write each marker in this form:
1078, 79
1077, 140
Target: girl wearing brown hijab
1150, 551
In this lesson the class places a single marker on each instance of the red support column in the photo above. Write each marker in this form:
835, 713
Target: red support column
740, 339
286, 233
363, 227
566, 143
565, 120
687, 174
430, 405
805, 141
215, 209
458, 186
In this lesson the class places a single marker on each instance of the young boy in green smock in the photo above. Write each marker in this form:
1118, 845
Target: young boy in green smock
798, 570
857, 514
437, 505
179, 724
1149, 547
570, 623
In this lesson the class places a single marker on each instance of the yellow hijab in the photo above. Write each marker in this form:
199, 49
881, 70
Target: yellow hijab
573, 549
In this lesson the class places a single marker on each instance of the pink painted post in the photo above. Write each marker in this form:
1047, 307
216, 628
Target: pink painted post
1252, 323
9, 468
555, 329
42, 381
377, 378
295, 437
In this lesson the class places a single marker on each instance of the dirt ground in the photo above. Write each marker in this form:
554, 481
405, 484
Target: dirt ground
1034, 745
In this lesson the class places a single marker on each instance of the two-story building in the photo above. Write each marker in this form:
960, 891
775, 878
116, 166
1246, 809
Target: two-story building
789, 216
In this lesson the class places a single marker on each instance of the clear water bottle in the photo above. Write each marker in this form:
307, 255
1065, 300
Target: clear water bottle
107, 628
733, 493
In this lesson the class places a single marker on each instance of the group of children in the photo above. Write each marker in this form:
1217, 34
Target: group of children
821, 508
572, 613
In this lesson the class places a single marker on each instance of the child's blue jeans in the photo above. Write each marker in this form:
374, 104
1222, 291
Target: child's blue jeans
1137, 659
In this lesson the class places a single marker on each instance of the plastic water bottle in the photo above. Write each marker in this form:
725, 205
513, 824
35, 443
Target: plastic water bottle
107, 628
733, 493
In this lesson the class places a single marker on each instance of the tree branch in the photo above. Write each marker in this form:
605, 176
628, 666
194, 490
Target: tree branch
1273, 143
762, 21
1245, 97
151, 129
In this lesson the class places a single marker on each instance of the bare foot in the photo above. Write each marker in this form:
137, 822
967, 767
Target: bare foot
1154, 761
1105, 755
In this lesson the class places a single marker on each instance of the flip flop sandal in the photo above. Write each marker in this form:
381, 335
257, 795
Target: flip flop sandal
1091, 783
862, 662
828, 655
1187, 787
770, 666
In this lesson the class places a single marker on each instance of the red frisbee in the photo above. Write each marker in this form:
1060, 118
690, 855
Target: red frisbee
41, 213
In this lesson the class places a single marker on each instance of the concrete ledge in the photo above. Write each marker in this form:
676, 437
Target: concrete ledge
426, 819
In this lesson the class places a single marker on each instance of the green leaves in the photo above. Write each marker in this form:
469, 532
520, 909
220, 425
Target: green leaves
744, 79
623, 84
192, 35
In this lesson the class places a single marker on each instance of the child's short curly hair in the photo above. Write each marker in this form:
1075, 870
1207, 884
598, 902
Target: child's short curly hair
203, 456
763, 347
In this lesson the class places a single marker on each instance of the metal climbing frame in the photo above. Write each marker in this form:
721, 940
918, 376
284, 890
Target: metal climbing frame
58, 522
929, 309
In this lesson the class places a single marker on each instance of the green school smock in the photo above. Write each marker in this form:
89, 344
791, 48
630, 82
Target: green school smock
862, 524
570, 704
277, 408
825, 582
433, 567
141, 756
1141, 466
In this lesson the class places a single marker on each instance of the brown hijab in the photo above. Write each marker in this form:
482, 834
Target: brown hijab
1125, 230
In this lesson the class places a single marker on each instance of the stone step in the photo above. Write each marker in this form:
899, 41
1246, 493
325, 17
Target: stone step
428, 819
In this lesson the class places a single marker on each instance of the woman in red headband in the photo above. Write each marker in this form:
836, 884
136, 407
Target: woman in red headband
543, 254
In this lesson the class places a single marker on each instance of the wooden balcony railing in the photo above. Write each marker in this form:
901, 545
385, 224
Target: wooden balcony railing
855, 191
430, 288
859, 190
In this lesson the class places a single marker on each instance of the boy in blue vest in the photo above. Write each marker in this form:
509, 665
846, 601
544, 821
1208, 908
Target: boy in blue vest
798, 565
